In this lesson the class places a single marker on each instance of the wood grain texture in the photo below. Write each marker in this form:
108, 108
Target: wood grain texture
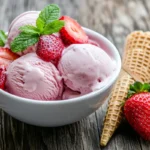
112, 18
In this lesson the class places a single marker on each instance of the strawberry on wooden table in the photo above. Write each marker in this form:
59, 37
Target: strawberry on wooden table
72, 33
137, 109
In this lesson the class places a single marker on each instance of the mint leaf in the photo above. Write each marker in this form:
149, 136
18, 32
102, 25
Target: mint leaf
40, 24
46, 23
29, 29
53, 27
49, 14
3, 38
23, 41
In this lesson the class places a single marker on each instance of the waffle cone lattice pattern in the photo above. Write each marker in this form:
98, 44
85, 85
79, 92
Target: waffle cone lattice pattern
136, 59
114, 111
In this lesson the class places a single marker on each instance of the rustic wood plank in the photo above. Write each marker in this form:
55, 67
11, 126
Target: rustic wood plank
112, 18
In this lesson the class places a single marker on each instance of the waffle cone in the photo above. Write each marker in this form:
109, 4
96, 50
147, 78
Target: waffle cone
136, 58
114, 111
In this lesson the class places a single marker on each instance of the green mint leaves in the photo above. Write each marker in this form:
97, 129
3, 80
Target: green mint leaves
53, 27
49, 14
138, 87
3, 38
40, 24
46, 23
29, 29
24, 40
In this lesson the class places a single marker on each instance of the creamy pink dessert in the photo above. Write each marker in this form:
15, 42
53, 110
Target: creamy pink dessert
84, 67
57, 60
68, 94
31, 77
27, 18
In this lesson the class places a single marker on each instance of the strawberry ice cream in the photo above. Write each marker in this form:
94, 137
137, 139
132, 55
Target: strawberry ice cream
62, 56
31, 77
85, 67
27, 18
68, 94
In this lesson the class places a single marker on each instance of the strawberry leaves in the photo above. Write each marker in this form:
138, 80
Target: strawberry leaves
46, 23
138, 87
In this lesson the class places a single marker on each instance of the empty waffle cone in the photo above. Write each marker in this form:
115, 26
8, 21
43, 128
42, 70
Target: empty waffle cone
114, 112
136, 58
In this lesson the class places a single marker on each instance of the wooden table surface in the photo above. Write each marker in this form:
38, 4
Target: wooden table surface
112, 18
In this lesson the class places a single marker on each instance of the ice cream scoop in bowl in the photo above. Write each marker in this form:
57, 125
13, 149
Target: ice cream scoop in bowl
62, 112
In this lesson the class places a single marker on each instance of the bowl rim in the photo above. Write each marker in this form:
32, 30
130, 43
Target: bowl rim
83, 97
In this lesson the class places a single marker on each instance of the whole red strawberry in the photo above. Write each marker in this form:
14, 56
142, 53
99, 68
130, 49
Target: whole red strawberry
50, 48
2, 77
72, 33
137, 109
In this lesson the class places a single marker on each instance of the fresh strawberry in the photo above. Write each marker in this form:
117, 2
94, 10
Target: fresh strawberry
137, 109
50, 48
2, 77
72, 33
93, 43
6, 56
4, 62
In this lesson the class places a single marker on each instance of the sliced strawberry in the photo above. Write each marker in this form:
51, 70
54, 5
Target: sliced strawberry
50, 48
72, 33
2, 77
4, 61
6, 56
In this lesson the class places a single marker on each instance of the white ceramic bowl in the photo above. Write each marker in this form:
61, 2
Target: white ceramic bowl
58, 113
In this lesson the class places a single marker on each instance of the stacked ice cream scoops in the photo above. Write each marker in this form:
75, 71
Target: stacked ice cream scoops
47, 57
135, 67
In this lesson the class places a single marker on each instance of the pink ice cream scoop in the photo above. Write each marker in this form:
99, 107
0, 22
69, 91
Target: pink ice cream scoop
30, 77
85, 67
68, 94
27, 18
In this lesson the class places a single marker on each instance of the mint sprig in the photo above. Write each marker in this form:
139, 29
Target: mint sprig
29, 29
53, 27
50, 13
3, 38
40, 24
46, 23
24, 40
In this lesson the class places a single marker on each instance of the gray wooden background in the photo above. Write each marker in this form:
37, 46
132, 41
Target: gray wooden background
112, 18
